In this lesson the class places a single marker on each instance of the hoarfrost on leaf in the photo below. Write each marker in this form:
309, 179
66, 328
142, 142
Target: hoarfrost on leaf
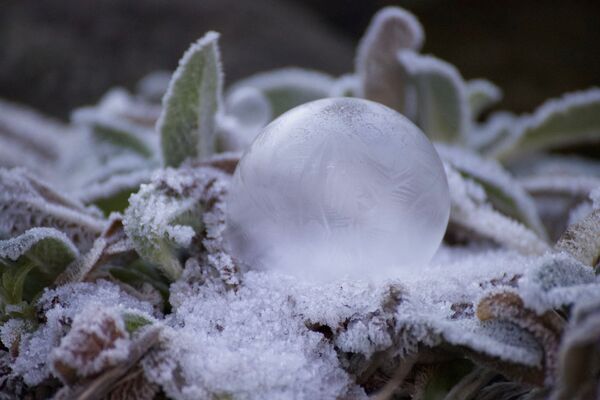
187, 121
381, 77
440, 93
335, 187
287, 88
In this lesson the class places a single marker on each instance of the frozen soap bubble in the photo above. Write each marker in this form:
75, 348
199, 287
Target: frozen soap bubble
339, 187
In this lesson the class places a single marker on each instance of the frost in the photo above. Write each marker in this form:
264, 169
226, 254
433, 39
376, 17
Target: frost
187, 121
247, 112
441, 97
470, 211
117, 134
60, 306
571, 119
153, 86
481, 94
582, 239
381, 77
288, 87
505, 194
165, 215
26, 203
334, 187
97, 340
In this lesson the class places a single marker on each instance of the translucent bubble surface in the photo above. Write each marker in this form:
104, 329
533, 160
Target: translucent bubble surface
339, 187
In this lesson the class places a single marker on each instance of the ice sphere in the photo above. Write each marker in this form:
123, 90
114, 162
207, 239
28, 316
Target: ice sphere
339, 187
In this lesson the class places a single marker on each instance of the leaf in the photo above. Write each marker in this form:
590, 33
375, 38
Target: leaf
547, 328
248, 111
166, 214
32, 261
582, 239
442, 110
187, 121
287, 88
26, 203
505, 193
490, 136
481, 94
115, 131
469, 211
570, 120
381, 78
579, 356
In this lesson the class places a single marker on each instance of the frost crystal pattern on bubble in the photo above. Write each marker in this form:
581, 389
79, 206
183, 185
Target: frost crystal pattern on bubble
338, 187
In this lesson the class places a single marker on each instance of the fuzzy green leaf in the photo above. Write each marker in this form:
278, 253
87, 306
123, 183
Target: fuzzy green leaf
381, 77
481, 94
187, 121
29, 203
163, 217
570, 120
32, 261
442, 109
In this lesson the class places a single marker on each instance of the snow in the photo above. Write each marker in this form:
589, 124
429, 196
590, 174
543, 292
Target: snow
336, 186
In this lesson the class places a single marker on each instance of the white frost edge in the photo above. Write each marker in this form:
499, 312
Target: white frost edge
15, 247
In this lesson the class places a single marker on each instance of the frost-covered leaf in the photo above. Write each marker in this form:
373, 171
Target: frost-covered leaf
546, 328
470, 211
570, 120
505, 193
490, 136
345, 86
481, 94
579, 358
39, 134
190, 106
97, 340
381, 77
166, 214
115, 132
26, 203
582, 239
59, 307
287, 88
32, 261
153, 86
442, 110
247, 111
555, 281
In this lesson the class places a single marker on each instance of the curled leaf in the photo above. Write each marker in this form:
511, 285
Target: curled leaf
187, 121
380, 77
547, 328
442, 110
481, 94
582, 239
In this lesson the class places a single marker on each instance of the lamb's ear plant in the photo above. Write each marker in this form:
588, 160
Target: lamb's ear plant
115, 278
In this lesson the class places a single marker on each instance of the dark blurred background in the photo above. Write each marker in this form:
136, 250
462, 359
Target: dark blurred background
59, 54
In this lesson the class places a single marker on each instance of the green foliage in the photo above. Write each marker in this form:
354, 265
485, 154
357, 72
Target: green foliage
187, 122
32, 261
